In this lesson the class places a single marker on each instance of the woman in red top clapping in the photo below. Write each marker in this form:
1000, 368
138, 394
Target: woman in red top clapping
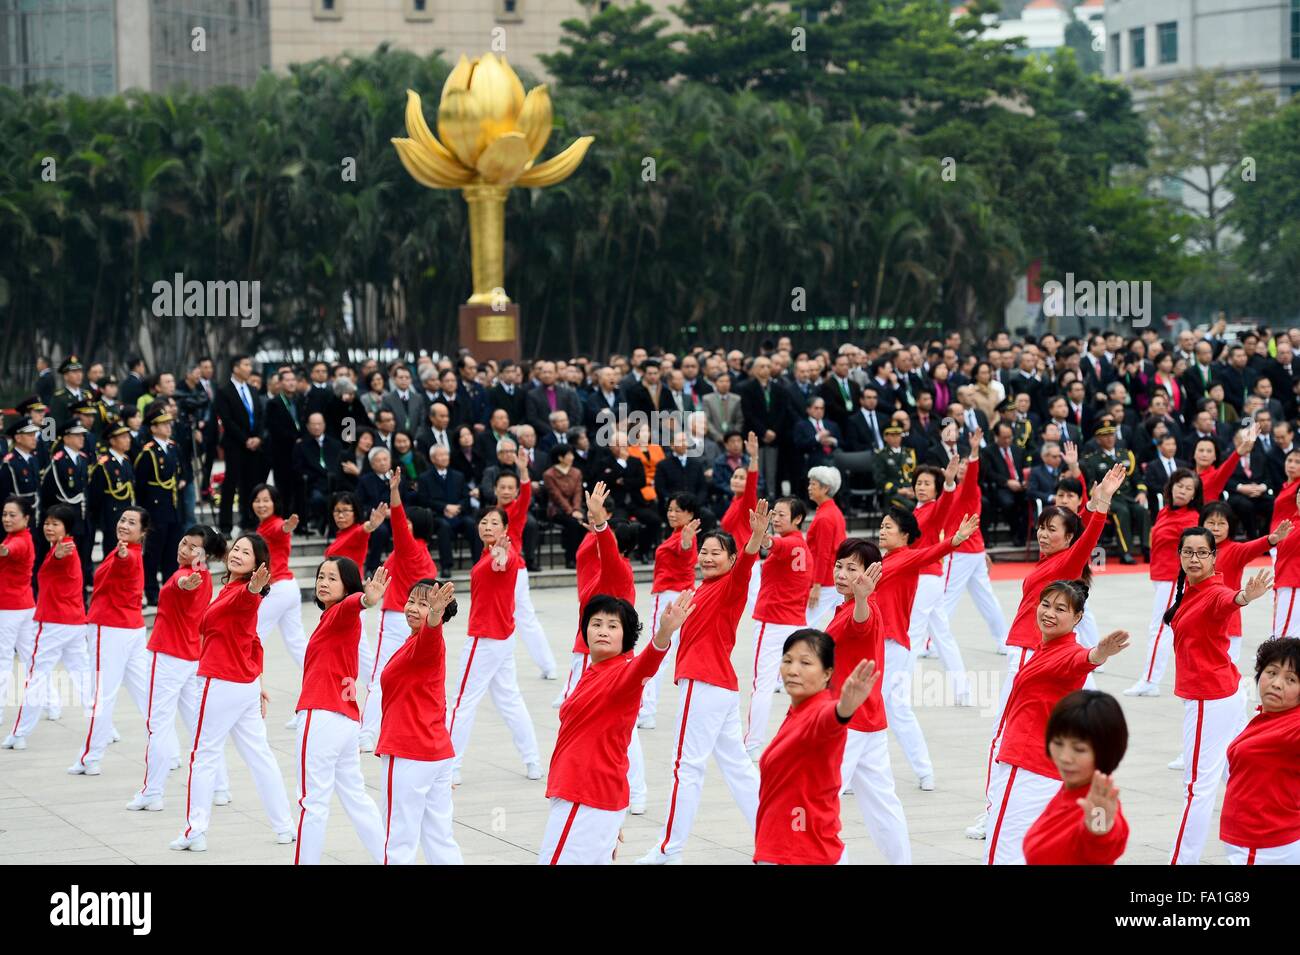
1083, 824
232, 703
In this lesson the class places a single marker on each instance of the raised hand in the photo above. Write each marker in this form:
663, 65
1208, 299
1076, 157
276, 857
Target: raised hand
856, 689
867, 581
1070, 453
501, 553
291, 524
378, 514
1107, 487
261, 577
1258, 585
375, 587
1108, 646
689, 530
976, 435
751, 448
438, 603
122, 549
1100, 805
190, 581
1245, 438
758, 518
596, 497
1280, 532
950, 471
969, 525
63, 549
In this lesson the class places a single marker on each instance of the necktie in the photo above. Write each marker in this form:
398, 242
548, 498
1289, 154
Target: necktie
562, 438
550, 398
248, 404
1245, 465
817, 426
1011, 462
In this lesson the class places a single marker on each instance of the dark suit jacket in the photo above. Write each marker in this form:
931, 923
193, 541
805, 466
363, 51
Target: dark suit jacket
306, 459
1042, 483
317, 399
598, 411
834, 398
671, 478
624, 483
512, 404
758, 416
282, 429
537, 409
1258, 470
371, 490
812, 452
437, 492
1154, 476
1277, 465
233, 415
128, 393
460, 412
858, 435
993, 468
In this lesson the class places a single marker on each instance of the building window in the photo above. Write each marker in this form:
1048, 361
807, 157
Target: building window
1114, 52
510, 10
1167, 42
1295, 29
327, 9
604, 5
1137, 48
419, 10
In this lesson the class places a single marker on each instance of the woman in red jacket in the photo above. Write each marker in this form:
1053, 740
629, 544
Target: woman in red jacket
674, 575
413, 739
352, 540
709, 722
1260, 821
781, 609
1232, 556
1083, 824
173, 650
1186, 492
588, 781
1024, 779
327, 748
487, 660
60, 617
825, 534
232, 703
282, 605
859, 634
798, 821
117, 640
1286, 621
17, 606
1205, 680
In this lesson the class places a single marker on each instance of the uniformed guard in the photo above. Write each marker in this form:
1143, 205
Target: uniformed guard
20, 472
38, 413
893, 467
73, 392
112, 485
108, 407
157, 490
1128, 507
65, 482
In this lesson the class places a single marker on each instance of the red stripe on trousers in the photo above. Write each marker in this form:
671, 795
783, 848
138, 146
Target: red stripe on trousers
1002, 722
1250, 859
568, 824
463, 680
378, 647
677, 763
31, 668
1006, 798
1289, 607
1155, 647
302, 771
1196, 756
749, 712
388, 822
95, 708
148, 721
198, 729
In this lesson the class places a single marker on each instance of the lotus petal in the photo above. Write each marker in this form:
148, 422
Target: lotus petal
535, 119
490, 87
429, 169
504, 159
460, 126
418, 129
558, 167
458, 78
516, 89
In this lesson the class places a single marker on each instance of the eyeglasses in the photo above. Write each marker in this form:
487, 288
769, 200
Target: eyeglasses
1198, 554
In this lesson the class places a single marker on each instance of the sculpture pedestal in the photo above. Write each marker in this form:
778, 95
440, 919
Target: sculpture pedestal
490, 333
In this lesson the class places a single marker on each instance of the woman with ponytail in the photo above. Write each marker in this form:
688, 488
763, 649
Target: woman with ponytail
1184, 495
1024, 778
1232, 557
1206, 680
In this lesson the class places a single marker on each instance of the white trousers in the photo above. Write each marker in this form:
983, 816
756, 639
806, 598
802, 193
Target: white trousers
708, 724
1089, 637
765, 674
51, 643
119, 656
929, 618
1019, 798
393, 632
1234, 648
173, 685
1017, 657
17, 630
529, 629
488, 666
866, 768
329, 762
828, 601
577, 667
650, 695
417, 810
1160, 639
1278, 855
232, 710
282, 607
969, 574
897, 692
1208, 727
755, 581
580, 835
1286, 617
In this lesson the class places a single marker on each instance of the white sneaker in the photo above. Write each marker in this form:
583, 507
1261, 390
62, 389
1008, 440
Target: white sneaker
149, 803
197, 843
84, 769
221, 797
548, 675
1002, 649
557, 702
284, 838
655, 857
1142, 688
53, 712
927, 783
1177, 762
292, 723
927, 654
636, 809
176, 764
366, 743
14, 742
455, 777
976, 831
533, 771
117, 737
646, 723
846, 791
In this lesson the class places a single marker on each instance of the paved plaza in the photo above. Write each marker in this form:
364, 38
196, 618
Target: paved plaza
49, 817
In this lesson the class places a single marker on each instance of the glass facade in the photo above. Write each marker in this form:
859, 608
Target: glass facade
237, 41
1137, 48
1167, 42
68, 43
1295, 29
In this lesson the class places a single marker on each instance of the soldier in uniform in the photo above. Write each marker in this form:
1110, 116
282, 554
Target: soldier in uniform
73, 393
36, 412
88, 414
157, 490
20, 473
892, 468
108, 408
1128, 508
65, 482
112, 485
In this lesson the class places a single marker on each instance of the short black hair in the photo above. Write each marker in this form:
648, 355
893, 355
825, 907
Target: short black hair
1070, 486
905, 520
349, 574
1075, 591
64, 514
270, 490
1221, 509
860, 549
24, 505
261, 555
798, 510
1097, 719
1282, 650
143, 515
818, 640
725, 540
686, 501
626, 613
425, 583
421, 519
214, 542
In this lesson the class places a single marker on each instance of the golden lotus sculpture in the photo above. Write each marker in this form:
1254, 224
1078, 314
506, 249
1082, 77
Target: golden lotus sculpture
489, 137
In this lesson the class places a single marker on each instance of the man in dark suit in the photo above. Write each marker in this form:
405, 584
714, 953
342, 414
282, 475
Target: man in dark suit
1203, 426
864, 430
1283, 444
472, 392
648, 396
679, 472
882, 377
1201, 373
318, 394
1000, 478
841, 393
1079, 408
924, 421
44, 379
602, 408
624, 475
507, 394
243, 424
547, 397
767, 412
459, 412
284, 419
1249, 493
1158, 470
444, 492
815, 441
315, 460
405, 401
1159, 409
1097, 370
1044, 477
1237, 377
133, 385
